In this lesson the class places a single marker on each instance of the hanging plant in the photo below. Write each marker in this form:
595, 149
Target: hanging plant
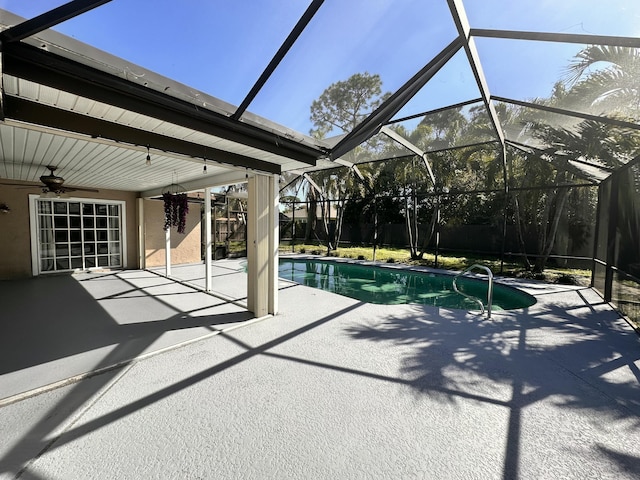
183, 209
175, 215
168, 201
176, 208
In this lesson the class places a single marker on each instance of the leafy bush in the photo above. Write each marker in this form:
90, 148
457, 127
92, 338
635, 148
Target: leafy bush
567, 279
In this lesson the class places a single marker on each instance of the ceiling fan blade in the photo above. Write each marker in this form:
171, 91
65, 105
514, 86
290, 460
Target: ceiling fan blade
79, 189
23, 185
44, 187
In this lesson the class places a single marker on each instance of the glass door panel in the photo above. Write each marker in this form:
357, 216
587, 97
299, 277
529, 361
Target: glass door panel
78, 235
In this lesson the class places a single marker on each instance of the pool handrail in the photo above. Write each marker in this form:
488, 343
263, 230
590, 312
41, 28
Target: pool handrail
489, 292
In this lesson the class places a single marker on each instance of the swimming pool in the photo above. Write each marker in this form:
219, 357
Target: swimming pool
393, 286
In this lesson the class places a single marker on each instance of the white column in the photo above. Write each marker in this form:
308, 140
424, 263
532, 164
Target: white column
167, 252
142, 248
274, 243
207, 236
258, 246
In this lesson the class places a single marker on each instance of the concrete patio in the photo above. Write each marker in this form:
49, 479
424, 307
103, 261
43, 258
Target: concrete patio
334, 388
60, 327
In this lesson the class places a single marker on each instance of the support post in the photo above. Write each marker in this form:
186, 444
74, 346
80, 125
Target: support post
207, 236
167, 252
293, 226
437, 252
142, 249
257, 245
505, 173
261, 245
274, 244
597, 234
612, 225
1, 84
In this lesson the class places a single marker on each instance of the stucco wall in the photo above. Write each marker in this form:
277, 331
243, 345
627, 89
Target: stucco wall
15, 246
185, 248
15, 243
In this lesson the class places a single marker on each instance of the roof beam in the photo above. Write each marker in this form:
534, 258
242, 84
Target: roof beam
367, 128
558, 37
407, 144
571, 113
228, 178
403, 157
277, 58
631, 163
39, 114
529, 150
30, 63
293, 180
313, 184
462, 23
437, 110
354, 168
48, 19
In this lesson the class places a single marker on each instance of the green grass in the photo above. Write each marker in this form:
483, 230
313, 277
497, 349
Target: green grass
447, 262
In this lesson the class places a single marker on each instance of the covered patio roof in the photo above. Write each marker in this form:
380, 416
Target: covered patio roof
60, 107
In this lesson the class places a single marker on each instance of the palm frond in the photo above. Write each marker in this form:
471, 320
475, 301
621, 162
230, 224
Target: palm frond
611, 57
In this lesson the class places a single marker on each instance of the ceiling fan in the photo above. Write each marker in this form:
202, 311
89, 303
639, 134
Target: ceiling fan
52, 183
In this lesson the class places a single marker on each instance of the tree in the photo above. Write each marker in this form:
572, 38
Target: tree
605, 78
344, 104
600, 80
454, 168
339, 109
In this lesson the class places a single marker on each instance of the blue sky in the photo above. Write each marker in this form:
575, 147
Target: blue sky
221, 46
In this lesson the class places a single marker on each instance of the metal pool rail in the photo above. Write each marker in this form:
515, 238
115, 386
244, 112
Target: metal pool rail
475, 299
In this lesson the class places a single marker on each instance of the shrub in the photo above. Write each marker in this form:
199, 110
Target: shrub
567, 279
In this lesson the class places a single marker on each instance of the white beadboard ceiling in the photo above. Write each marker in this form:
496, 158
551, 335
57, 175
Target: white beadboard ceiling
83, 161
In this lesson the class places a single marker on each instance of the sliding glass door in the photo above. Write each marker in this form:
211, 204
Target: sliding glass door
76, 234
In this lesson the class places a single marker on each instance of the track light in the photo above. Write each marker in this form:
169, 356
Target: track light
148, 156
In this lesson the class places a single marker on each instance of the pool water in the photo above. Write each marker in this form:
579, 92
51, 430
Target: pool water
390, 286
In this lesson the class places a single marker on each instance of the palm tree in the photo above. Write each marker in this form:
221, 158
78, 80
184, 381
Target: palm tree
601, 80
605, 80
